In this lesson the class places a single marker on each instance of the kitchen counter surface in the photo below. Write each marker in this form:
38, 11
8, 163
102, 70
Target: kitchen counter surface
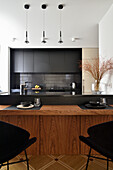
56, 110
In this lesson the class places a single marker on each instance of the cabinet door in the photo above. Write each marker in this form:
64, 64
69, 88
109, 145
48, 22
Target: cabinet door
28, 60
41, 61
72, 61
57, 61
18, 61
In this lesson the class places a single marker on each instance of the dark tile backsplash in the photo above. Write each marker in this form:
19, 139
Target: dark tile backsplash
46, 80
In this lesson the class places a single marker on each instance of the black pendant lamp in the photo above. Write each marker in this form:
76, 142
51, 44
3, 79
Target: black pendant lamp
26, 6
44, 6
60, 7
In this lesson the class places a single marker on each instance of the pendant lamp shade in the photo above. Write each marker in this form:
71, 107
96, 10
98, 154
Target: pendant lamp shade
60, 7
44, 6
26, 6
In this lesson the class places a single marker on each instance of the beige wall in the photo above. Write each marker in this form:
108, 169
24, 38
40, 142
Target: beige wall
88, 54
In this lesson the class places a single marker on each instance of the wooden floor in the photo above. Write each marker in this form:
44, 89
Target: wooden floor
60, 162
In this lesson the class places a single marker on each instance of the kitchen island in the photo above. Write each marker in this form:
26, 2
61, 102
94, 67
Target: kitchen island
57, 127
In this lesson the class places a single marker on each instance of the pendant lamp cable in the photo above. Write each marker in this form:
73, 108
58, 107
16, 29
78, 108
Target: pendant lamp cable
43, 20
60, 20
26, 20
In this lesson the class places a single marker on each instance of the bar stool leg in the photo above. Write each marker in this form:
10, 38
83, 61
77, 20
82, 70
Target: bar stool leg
107, 163
7, 165
27, 160
88, 159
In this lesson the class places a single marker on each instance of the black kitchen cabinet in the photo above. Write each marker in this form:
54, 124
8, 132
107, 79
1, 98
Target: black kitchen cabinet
41, 61
18, 65
57, 60
46, 60
28, 61
72, 61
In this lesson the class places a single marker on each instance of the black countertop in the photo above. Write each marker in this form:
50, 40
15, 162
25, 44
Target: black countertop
51, 91
60, 99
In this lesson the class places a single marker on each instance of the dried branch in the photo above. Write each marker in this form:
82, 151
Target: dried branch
97, 71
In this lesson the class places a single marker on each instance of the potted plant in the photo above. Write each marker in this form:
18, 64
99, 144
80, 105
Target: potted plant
97, 70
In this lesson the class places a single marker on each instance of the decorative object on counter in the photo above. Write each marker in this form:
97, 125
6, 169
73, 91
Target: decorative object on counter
100, 104
97, 70
44, 6
25, 107
103, 101
60, 7
94, 103
95, 106
26, 104
26, 6
37, 88
96, 88
37, 102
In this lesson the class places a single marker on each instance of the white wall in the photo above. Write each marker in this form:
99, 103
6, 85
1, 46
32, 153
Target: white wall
4, 68
79, 19
106, 46
88, 55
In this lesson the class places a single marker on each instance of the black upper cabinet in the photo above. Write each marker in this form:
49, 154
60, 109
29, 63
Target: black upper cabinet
28, 60
22, 60
57, 61
17, 64
72, 60
46, 60
41, 61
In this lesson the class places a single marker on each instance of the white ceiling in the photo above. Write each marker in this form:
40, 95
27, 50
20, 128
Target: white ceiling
80, 18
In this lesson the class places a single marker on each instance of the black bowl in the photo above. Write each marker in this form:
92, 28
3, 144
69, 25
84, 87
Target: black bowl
94, 103
25, 104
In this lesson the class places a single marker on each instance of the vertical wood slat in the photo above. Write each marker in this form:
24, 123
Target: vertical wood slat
59, 134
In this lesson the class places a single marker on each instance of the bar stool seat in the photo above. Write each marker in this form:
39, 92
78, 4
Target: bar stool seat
13, 140
101, 140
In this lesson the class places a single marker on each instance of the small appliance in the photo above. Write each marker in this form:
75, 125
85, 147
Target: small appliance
73, 85
22, 86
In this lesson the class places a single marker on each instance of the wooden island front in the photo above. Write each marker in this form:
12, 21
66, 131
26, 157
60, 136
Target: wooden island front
57, 127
